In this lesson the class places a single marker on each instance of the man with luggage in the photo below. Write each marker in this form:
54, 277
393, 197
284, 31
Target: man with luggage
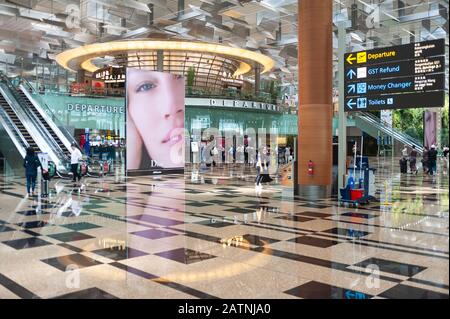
404, 161
75, 158
432, 158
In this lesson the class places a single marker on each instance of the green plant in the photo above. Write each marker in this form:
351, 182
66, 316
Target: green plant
190, 79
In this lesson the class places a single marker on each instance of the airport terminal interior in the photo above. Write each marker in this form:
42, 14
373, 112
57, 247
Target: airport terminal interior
237, 149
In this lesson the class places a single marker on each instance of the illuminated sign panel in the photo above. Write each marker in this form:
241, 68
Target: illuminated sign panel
396, 69
396, 53
397, 85
405, 76
395, 101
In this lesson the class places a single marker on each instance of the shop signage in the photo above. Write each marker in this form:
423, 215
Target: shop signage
404, 76
94, 108
231, 103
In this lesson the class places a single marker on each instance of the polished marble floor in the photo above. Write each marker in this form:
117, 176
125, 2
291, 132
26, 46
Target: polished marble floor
211, 234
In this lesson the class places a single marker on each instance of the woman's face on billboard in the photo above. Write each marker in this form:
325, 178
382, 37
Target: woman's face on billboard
156, 106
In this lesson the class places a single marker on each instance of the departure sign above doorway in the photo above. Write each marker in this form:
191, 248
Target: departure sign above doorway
404, 76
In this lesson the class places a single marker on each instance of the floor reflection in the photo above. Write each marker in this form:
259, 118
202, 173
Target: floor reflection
212, 234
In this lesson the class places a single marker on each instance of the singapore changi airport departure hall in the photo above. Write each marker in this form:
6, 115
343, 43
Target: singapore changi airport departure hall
238, 149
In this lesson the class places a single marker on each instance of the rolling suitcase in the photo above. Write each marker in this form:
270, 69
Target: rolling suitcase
44, 184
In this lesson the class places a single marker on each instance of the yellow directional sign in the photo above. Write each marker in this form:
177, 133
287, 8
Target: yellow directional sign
361, 57
350, 58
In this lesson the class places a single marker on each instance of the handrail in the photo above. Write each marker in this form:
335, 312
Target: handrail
399, 136
13, 130
37, 123
29, 123
59, 152
190, 92
46, 108
374, 118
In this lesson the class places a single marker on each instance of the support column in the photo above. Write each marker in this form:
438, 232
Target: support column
342, 131
150, 15
257, 79
80, 76
315, 97
180, 8
160, 61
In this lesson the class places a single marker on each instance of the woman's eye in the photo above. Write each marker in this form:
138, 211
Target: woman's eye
145, 87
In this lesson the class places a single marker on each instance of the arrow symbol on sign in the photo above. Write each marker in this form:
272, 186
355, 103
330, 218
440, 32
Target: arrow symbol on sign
351, 58
351, 73
351, 88
350, 103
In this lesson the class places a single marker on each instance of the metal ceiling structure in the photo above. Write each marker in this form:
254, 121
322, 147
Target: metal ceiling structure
33, 32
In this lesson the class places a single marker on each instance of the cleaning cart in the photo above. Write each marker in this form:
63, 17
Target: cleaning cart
362, 191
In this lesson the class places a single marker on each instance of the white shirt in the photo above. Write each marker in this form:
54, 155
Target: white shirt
405, 152
75, 156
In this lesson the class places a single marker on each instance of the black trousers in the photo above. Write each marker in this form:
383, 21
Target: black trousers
74, 170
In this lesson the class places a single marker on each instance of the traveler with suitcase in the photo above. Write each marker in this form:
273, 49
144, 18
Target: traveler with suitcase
404, 161
413, 160
31, 164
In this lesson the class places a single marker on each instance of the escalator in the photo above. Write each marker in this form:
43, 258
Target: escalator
16, 130
25, 101
30, 122
373, 126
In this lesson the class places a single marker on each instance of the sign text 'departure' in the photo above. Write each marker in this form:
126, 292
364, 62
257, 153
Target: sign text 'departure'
396, 53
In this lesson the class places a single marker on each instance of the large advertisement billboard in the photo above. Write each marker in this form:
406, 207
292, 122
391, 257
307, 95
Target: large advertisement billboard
154, 121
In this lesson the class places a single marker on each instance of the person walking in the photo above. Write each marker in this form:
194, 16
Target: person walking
445, 152
425, 160
31, 164
404, 160
432, 158
413, 160
74, 161
262, 167
287, 154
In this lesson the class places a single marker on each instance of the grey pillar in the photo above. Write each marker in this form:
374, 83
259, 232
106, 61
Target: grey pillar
80, 76
257, 78
160, 61
180, 8
150, 15
279, 31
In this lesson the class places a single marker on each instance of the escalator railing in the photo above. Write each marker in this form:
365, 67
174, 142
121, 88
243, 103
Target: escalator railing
376, 122
11, 129
31, 126
47, 114
16, 116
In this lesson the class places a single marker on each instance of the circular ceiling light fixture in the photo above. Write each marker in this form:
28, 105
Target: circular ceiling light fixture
81, 57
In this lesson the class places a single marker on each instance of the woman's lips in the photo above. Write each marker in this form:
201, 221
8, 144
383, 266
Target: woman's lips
173, 137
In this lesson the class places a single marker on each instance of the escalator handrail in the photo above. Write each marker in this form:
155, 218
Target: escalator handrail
48, 111
390, 131
29, 123
13, 130
377, 120
37, 123
45, 116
